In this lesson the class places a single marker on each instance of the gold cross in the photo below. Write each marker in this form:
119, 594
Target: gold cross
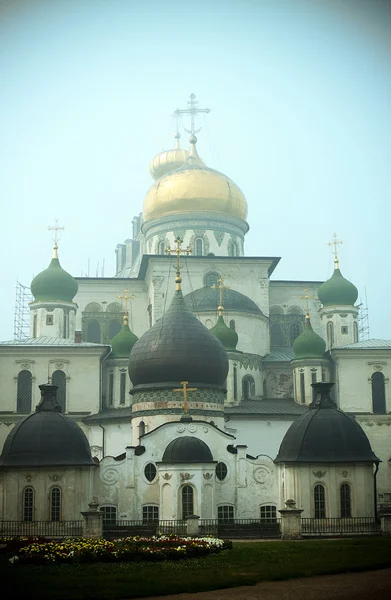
220, 287
178, 251
192, 110
306, 297
184, 391
335, 243
125, 298
55, 228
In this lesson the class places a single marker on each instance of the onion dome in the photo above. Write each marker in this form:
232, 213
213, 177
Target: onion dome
325, 434
187, 449
309, 344
204, 300
168, 160
123, 342
337, 290
54, 284
194, 188
46, 438
227, 336
178, 348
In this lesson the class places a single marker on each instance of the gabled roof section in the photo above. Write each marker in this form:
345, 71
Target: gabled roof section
52, 341
279, 354
373, 344
277, 406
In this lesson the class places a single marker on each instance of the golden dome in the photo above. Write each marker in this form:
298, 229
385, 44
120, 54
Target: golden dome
168, 160
194, 188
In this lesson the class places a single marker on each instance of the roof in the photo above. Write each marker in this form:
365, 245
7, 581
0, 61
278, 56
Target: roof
187, 449
207, 299
110, 415
50, 341
275, 406
279, 354
373, 344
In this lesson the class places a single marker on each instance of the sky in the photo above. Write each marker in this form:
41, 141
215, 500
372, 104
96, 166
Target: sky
300, 96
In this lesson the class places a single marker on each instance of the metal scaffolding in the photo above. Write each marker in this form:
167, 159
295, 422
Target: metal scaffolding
22, 312
363, 319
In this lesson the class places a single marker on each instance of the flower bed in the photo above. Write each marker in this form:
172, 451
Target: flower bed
35, 551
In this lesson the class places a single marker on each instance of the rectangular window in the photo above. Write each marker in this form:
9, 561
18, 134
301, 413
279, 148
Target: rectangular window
150, 513
35, 326
28, 504
111, 389
122, 391
225, 514
302, 388
324, 378
268, 513
344, 329
109, 514
387, 497
65, 327
319, 502
235, 382
49, 319
55, 504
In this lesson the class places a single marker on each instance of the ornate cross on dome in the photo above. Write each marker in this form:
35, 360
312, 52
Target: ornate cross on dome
306, 297
220, 287
124, 304
192, 110
56, 229
335, 241
184, 389
178, 251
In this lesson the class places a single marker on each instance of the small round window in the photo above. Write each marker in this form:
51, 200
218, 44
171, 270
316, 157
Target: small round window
150, 471
221, 471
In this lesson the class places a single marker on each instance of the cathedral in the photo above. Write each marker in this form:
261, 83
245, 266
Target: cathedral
193, 381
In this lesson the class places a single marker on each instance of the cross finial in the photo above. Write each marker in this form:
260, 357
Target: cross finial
56, 229
178, 251
220, 287
335, 241
184, 389
124, 301
306, 297
192, 110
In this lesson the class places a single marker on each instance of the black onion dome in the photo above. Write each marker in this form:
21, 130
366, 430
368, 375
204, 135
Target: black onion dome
206, 299
325, 434
178, 348
46, 438
187, 449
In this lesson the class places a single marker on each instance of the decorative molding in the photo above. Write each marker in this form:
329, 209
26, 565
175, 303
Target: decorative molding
56, 477
319, 474
180, 428
29, 477
109, 475
167, 476
208, 476
25, 361
344, 473
192, 428
219, 235
186, 476
262, 475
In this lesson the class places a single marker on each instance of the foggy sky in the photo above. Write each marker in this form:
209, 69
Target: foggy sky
300, 96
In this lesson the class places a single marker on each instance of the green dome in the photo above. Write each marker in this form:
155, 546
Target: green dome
337, 290
309, 344
227, 336
54, 284
123, 342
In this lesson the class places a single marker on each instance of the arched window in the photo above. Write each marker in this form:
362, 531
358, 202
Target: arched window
114, 328
319, 501
187, 501
93, 332
35, 321
355, 332
276, 335
276, 310
59, 379
161, 248
28, 504
378, 393
345, 499
122, 389
55, 504
141, 428
294, 332
235, 372
330, 334
199, 247
248, 388
232, 324
211, 279
24, 392
295, 310
233, 249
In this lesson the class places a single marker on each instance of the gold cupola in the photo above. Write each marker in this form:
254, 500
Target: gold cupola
168, 160
194, 188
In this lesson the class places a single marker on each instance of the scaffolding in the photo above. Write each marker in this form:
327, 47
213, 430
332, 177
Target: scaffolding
22, 312
363, 319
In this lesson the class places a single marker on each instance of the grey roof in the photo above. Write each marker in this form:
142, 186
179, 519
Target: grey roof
112, 414
187, 449
279, 354
372, 344
275, 406
50, 341
207, 299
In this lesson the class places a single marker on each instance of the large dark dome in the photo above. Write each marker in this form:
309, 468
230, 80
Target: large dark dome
178, 348
325, 434
187, 449
46, 438
206, 299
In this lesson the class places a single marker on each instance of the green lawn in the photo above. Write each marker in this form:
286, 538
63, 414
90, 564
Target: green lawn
245, 564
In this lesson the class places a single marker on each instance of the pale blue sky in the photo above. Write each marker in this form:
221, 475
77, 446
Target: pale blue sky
300, 96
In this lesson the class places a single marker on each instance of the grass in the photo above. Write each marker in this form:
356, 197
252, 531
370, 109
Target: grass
245, 564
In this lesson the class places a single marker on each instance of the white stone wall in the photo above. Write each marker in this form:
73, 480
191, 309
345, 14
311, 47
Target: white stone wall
41, 313
311, 369
210, 243
262, 434
279, 380
252, 330
344, 322
291, 293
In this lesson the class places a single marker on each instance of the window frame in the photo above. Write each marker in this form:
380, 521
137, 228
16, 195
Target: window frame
270, 513
153, 517
187, 501
108, 511
55, 504
319, 501
28, 504
225, 514
345, 500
